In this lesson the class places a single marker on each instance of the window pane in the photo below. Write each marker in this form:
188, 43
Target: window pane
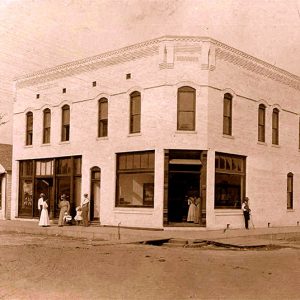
186, 121
26, 194
66, 115
77, 166
227, 107
64, 166
186, 101
136, 189
103, 109
135, 123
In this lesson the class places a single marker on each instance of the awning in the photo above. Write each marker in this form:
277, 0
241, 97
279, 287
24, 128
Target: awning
178, 161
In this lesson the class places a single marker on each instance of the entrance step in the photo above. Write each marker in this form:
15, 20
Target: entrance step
176, 243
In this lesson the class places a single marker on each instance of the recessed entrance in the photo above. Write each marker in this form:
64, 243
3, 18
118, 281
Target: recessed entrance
185, 188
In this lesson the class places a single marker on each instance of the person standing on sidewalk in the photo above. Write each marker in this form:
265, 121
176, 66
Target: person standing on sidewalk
246, 211
40, 203
64, 206
85, 205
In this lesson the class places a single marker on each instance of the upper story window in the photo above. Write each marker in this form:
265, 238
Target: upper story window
29, 128
261, 123
102, 117
186, 108
227, 114
275, 127
135, 112
46, 126
290, 191
65, 128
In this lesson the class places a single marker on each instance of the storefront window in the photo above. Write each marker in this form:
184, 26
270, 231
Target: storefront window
135, 179
229, 180
26, 195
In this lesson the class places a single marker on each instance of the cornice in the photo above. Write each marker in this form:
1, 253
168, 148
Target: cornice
151, 48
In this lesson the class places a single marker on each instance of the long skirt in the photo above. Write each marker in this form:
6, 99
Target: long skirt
191, 213
61, 215
44, 219
85, 215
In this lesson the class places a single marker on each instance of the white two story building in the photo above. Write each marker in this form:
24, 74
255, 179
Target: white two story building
144, 127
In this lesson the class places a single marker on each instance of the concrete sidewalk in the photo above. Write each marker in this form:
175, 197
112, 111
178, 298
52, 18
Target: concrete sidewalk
237, 237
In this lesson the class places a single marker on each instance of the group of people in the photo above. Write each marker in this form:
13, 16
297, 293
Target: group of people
82, 211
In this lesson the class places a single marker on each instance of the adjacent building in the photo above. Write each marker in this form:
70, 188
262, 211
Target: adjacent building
5, 181
144, 128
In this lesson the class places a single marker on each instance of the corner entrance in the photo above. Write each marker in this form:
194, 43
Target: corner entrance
185, 188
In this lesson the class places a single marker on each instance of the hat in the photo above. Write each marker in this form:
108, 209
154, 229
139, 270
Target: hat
85, 194
42, 195
246, 199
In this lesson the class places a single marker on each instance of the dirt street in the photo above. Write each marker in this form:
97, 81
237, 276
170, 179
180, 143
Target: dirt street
40, 267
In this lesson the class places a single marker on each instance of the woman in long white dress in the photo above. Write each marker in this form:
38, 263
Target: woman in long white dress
44, 219
192, 209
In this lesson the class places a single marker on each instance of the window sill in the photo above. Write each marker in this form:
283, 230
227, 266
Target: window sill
64, 142
28, 146
275, 146
185, 132
227, 136
228, 212
134, 210
290, 210
134, 134
262, 143
45, 145
102, 138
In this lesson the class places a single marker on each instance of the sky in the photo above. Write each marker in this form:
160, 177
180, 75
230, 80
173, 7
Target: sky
37, 34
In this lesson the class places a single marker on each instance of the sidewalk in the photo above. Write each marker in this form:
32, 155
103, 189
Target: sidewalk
257, 236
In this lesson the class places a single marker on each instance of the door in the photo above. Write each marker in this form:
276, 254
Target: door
95, 194
44, 185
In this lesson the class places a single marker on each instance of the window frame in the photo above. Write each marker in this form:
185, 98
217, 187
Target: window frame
46, 129
29, 129
135, 96
290, 191
261, 123
134, 163
102, 122
65, 126
275, 126
227, 98
180, 91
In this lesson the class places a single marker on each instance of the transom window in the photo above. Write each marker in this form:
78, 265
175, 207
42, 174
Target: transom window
29, 128
102, 117
135, 112
261, 123
227, 114
186, 104
65, 130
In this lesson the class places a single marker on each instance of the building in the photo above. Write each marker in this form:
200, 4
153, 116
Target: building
145, 127
5, 181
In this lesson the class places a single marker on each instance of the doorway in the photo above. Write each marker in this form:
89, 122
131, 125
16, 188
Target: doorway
44, 185
182, 185
95, 194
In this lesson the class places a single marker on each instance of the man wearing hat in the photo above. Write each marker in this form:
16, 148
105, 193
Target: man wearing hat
246, 211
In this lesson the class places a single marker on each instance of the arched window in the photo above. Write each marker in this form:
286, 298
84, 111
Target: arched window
29, 128
135, 112
290, 190
275, 127
227, 114
65, 128
46, 125
102, 117
261, 123
186, 108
